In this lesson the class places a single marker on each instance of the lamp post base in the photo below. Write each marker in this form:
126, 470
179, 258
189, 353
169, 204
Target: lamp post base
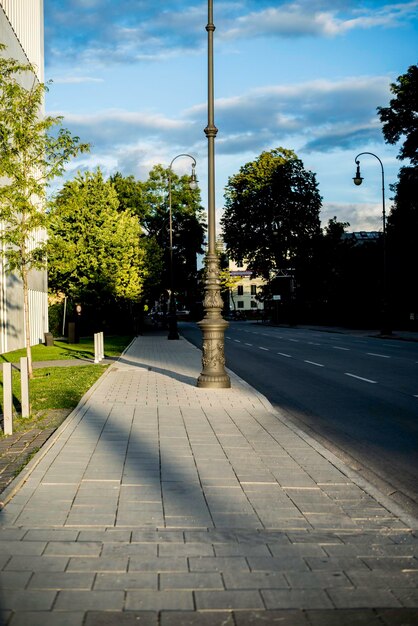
213, 327
213, 375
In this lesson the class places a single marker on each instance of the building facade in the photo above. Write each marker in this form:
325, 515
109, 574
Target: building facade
22, 32
243, 296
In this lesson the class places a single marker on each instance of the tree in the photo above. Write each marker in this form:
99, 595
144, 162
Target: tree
187, 227
402, 228
272, 215
31, 155
95, 252
400, 118
130, 195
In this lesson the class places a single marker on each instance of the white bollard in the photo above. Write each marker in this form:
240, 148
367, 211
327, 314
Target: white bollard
7, 399
24, 386
96, 348
101, 345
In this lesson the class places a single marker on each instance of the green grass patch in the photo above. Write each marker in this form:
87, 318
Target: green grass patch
52, 389
61, 350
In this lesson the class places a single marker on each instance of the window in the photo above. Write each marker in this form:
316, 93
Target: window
240, 304
240, 290
253, 290
253, 304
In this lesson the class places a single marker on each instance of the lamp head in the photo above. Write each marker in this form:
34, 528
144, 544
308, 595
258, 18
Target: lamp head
193, 179
358, 178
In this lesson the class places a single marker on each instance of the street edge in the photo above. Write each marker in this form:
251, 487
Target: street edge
360, 481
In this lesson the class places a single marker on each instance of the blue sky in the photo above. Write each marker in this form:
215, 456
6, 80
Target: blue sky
131, 78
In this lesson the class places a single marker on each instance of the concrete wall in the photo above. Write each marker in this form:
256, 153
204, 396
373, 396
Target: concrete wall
21, 31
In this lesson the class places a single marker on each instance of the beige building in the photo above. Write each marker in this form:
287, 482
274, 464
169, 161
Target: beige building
22, 32
242, 297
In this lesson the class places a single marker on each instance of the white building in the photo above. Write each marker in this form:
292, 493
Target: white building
22, 32
243, 296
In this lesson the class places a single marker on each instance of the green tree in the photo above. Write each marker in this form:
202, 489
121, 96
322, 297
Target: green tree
130, 195
400, 118
271, 216
95, 251
31, 155
187, 226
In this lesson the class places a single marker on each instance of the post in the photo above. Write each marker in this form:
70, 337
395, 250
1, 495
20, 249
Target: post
213, 325
24, 386
96, 348
101, 345
7, 399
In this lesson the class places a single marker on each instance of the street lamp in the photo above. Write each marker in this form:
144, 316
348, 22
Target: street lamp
172, 313
358, 179
213, 326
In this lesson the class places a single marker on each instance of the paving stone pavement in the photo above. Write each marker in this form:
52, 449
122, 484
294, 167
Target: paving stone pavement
158, 503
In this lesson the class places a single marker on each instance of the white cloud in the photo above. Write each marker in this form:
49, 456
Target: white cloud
364, 216
299, 19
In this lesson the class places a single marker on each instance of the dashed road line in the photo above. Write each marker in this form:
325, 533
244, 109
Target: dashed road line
340, 348
248, 344
382, 356
366, 380
289, 356
294, 340
261, 348
237, 340
313, 363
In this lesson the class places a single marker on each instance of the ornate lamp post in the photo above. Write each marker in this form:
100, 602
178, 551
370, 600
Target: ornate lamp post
172, 313
213, 325
385, 327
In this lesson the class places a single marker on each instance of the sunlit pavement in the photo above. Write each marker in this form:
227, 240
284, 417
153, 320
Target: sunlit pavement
160, 503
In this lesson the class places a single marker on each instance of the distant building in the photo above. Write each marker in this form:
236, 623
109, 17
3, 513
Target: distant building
243, 296
22, 32
363, 236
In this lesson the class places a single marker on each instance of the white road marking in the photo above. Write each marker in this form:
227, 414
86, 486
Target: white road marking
249, 344
313, 363
313, 343
294, 340
366, 380
289, 356
340, 348
226, 337
261, 348
237, 340
382, 356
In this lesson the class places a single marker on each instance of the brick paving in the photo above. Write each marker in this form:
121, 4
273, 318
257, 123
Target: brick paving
159, 503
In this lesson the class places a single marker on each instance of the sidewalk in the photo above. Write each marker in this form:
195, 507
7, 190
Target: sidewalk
158, 503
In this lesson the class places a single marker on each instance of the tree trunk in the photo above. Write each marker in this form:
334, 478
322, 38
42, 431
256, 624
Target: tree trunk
27, 320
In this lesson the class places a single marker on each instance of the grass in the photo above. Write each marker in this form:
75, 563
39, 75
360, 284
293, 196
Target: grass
57, 390
61, 350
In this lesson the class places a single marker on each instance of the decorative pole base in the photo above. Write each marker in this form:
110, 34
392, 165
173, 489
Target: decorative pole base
213, 374
213, 327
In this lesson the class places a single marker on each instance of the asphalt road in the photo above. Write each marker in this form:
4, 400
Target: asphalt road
357, 395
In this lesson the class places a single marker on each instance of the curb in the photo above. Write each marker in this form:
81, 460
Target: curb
355, 477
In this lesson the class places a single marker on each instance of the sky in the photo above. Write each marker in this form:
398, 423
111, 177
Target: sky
130, 77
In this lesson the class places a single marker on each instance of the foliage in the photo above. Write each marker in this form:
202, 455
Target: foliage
130, 195
94, 249
30, 157
402, 228
187, 228
400, 118
271, 212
